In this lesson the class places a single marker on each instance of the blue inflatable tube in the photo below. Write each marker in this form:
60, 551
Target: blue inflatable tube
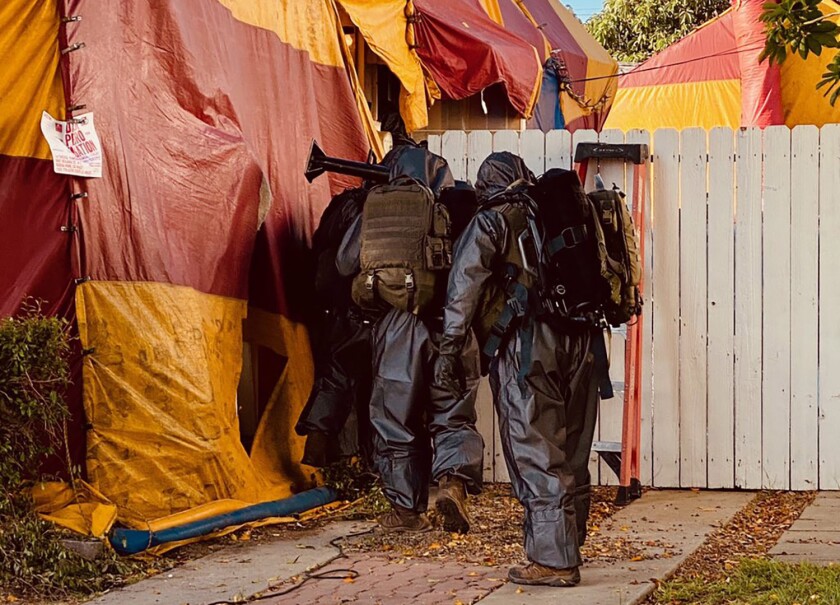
132, 541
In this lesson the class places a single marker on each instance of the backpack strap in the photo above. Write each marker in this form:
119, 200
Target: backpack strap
602, 366
568, 238
514, 308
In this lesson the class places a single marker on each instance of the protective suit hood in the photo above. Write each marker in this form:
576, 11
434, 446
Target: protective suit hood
497, 172
421, 165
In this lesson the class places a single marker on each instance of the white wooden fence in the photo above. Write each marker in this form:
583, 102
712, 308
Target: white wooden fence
742, 338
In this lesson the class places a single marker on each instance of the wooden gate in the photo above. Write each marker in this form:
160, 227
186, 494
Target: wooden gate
742, 338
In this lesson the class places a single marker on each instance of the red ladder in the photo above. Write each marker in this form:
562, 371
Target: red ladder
624, 457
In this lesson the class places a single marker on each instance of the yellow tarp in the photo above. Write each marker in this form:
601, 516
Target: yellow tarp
704, 104
383, 25
160, 394
801, 102
29, 50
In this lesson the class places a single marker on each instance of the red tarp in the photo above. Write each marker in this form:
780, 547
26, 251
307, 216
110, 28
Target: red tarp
466, 51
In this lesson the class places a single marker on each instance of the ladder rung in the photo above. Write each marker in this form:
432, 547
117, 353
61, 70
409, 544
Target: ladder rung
607, 446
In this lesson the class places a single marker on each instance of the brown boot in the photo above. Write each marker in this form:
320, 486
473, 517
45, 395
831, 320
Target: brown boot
400, 519
540, 575
451, 504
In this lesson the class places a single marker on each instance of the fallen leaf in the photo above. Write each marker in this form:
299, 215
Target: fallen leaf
349, 580
637, 558
519, 591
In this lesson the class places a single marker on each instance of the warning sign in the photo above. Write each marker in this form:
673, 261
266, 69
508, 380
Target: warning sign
74, 144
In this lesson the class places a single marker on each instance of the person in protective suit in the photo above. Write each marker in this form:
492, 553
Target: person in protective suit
541, 373
341, 346
421, 430
341, 335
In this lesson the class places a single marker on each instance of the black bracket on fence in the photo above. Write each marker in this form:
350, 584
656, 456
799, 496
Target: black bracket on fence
637, 153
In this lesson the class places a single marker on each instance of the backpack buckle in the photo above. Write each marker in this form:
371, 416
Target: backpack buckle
516, 306
409, 281
371, 277
574, 235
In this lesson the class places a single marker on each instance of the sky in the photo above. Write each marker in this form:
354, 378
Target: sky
584, 8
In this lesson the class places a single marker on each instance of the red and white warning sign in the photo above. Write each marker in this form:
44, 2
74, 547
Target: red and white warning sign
74, 144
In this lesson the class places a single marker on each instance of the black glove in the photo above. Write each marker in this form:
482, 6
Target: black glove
449, 374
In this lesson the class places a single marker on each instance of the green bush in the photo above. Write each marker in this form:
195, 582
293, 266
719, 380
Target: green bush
34, 375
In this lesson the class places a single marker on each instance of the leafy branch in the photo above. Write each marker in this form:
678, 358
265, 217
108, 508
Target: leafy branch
800, 27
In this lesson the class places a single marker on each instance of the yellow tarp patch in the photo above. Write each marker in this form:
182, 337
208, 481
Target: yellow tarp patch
686, 105
83, 509
29, 77
801, 102
383, 25
160, 396
307, 26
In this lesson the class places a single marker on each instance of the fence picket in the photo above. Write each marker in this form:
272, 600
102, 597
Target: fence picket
693, 327
479, 146
454, 148
804, 319
506, 140
666, 309
558, 149
775, 425
588, 136
721, 309
532, 149
434, 141
748, 323
829, 396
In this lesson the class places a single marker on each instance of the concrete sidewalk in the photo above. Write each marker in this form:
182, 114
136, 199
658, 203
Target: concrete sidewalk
234, 575
815, 536
663, 526
667, 525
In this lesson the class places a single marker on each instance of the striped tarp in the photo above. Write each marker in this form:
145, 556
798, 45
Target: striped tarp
205, 110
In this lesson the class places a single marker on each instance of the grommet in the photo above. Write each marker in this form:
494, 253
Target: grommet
77, 196
72, 47
81, 280
76, 107
71, 19
68, 228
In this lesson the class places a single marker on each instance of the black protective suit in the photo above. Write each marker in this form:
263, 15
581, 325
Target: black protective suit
421, 431
547, 411
341, 347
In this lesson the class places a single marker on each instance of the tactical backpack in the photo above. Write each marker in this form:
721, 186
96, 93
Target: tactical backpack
620, 268
406, 248
592, 249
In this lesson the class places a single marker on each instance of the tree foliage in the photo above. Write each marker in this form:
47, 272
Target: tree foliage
633, 30
800, 27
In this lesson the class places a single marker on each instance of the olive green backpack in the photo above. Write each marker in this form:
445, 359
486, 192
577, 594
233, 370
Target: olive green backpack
406, 248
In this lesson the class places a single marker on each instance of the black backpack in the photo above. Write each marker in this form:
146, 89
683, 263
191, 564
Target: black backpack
343, 209
591, 247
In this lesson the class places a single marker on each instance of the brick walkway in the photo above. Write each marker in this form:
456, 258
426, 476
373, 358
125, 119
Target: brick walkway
385, 580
